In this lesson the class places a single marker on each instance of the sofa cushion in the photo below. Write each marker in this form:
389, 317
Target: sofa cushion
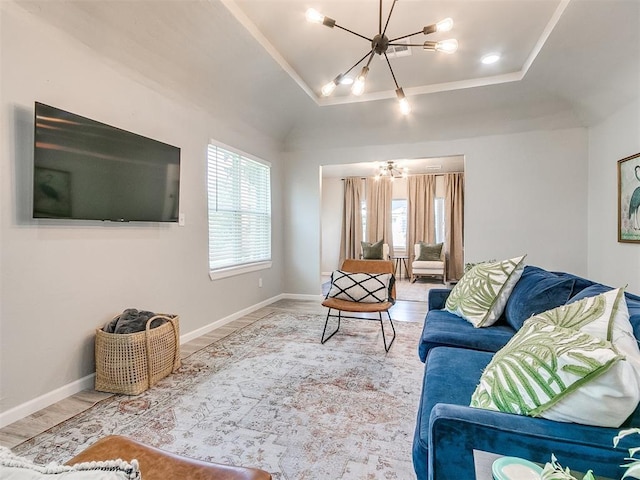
576, 363
15, 467
537, 291
428, 252
360, 287
442, 328
445, 368
418, 264
482, 293
372, 251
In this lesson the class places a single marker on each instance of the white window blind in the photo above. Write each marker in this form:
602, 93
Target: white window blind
239, 192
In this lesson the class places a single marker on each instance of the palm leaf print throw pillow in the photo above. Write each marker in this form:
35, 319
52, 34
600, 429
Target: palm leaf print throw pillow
569, 364
482, 293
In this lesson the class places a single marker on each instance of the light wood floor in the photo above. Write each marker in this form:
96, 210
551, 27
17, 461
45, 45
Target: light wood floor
41, 421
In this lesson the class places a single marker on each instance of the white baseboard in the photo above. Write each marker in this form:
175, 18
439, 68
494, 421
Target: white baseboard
16, 413
301, 296
32, 406
228, 319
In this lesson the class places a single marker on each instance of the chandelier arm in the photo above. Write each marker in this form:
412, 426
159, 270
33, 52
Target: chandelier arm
391, 70
353, 33
356, 64
370, 57
389, 17
404, 36
406, 44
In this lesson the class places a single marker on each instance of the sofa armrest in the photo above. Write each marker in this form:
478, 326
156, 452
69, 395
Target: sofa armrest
437, 298
456, 431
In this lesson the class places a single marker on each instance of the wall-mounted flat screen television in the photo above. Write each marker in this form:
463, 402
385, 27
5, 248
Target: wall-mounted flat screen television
87, 170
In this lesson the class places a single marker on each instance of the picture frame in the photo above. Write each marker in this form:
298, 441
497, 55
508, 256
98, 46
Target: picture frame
51, 193
629, 199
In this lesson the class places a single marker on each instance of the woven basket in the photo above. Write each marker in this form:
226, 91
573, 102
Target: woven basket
130, 363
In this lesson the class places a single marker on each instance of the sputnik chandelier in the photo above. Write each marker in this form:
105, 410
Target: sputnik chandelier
379, 45
390, 169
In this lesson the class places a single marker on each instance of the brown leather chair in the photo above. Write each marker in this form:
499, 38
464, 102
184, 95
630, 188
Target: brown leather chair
156, 464
340, 305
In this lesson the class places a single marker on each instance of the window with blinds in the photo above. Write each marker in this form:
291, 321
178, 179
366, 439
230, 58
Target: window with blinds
239, 192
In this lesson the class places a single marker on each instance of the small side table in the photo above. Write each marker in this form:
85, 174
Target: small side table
399, 261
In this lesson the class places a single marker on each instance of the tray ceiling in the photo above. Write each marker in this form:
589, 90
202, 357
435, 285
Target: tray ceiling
313, 54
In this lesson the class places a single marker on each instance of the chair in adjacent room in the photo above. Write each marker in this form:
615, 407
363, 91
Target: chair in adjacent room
365, 287
424, 268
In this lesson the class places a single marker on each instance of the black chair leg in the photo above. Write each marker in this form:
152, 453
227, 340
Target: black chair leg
384, 338
325, 326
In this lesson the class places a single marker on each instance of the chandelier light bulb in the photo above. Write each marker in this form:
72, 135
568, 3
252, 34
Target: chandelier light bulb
405, 108
331, 86
444, 25
314, 16
358, 85
447, 46
328, 88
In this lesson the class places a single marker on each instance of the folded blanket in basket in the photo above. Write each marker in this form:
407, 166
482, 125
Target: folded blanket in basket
131, 321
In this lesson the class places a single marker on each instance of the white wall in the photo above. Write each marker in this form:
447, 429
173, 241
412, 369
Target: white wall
61, 281
524, 193
611, 262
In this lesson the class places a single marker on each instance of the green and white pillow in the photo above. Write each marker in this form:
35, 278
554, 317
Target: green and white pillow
605, 316
482, 293
576, 363
541, 365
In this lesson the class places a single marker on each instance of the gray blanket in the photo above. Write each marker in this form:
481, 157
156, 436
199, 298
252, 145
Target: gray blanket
131, 321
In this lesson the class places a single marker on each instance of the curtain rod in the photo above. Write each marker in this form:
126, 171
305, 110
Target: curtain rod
412, 175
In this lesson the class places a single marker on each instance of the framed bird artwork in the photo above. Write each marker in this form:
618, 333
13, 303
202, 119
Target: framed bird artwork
629, 199
52, 193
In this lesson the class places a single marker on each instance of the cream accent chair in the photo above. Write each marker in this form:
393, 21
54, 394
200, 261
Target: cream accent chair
421, 268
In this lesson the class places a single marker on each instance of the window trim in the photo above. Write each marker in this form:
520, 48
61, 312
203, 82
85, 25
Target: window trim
240, 269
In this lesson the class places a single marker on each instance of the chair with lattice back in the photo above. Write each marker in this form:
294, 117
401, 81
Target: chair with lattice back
378, 296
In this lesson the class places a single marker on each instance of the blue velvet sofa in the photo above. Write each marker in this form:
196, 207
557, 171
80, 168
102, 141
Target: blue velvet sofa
448, 430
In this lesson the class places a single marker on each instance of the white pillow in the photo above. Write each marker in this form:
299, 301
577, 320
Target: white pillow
604, 316
360, 287
597, 396
14, 467
482, 293
544, 365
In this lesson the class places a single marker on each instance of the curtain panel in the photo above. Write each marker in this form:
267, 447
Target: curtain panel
421, 191
379, 193
351, 234
454, 224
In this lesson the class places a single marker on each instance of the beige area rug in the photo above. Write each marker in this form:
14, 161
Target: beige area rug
271, 396
416, 291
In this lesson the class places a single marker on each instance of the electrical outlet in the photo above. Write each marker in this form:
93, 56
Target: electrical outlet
260, 282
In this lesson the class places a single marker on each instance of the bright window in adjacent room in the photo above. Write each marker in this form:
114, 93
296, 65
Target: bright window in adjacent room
239, 194
399, 223
363, 214
439, 219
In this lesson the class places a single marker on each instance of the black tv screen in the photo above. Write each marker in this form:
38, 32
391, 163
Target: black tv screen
88, 170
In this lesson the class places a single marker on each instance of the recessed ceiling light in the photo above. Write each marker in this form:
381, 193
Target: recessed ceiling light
490, 58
